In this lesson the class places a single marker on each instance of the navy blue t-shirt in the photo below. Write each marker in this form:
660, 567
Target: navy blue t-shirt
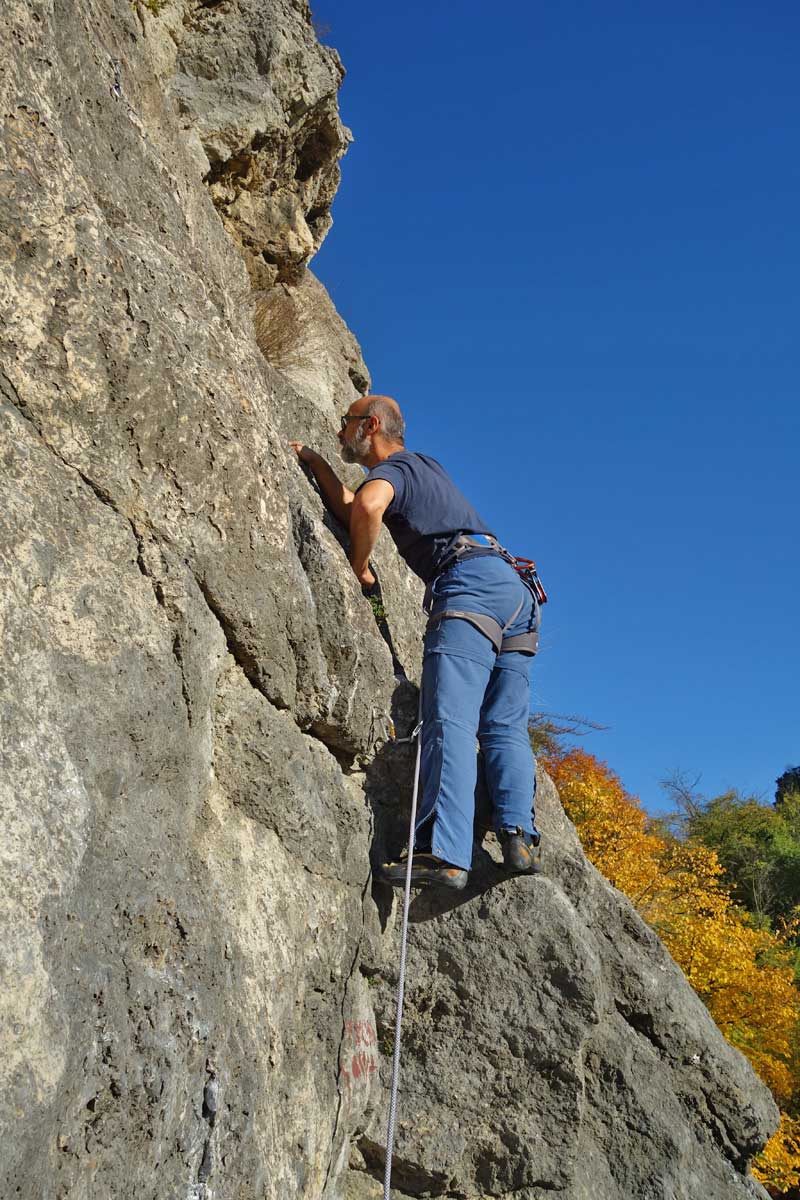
426, 512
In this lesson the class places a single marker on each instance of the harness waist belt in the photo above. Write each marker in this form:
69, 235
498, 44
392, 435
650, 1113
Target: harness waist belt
464, 544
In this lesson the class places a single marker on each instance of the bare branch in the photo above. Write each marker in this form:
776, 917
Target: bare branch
547, 730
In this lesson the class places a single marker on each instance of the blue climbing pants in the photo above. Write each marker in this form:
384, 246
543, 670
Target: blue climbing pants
469, 692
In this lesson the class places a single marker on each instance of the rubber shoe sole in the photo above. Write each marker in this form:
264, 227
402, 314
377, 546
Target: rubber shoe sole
426, 871
520, 855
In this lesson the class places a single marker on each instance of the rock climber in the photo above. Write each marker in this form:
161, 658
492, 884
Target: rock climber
469, 689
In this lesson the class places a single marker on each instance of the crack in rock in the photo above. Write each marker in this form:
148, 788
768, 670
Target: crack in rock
350, 974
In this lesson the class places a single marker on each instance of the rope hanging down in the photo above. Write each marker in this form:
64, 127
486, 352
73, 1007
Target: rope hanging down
398, 1020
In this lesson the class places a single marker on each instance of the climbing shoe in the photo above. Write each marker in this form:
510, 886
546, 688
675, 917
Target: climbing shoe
425, 869
522, 852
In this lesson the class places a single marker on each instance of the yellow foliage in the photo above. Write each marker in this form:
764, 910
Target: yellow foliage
778, 1164
743, 974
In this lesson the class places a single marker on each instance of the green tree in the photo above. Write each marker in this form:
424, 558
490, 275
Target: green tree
757, 844
788, 784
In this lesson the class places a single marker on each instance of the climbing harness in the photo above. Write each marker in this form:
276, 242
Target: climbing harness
401, 980
463, 544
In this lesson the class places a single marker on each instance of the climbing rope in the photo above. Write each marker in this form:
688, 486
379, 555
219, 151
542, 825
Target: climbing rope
387, 1178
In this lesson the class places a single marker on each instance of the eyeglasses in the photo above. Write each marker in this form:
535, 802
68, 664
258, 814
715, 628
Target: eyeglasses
352, 417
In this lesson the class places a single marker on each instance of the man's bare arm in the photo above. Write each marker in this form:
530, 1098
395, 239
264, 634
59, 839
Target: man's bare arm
366, 515
338, 498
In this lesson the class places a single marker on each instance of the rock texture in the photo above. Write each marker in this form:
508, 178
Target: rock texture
197, 967
259, 92
552, 1047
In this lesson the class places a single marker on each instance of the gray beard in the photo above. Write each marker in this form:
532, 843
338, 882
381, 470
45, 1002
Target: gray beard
356, 451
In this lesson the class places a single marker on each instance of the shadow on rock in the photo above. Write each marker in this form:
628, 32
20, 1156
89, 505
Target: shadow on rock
389, 782
486, 874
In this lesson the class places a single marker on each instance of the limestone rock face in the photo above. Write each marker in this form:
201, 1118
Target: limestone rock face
299, 332
259, 91
197, 966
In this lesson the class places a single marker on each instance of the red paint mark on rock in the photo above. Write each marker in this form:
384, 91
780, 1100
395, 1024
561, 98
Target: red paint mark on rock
359, 1062
363, 1033
362, 1065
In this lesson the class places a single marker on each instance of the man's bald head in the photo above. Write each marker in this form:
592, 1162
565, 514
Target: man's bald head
378, 432
387, 410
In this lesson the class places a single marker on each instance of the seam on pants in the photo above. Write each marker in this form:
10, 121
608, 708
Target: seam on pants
429, 825
457, 653
458, 725
429, 820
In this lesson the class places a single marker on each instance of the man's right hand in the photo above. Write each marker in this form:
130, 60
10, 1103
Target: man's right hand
337, 497
304, 453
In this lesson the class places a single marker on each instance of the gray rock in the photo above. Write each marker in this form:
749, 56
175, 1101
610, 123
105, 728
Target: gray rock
551, 1045
259, 92
197, 969
299, 332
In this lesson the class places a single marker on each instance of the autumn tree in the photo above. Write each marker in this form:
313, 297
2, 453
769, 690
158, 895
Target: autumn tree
741, 969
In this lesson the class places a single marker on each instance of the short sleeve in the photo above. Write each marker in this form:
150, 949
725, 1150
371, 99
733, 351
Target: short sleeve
393, 474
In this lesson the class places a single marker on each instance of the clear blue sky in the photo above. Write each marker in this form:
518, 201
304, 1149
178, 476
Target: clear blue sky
567, 238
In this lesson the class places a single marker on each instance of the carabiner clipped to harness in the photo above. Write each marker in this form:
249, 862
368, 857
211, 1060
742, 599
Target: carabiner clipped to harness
526, 569
464, 543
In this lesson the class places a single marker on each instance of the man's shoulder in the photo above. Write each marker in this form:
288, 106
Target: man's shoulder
412, 459
385, 469
393, 470
408, 468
